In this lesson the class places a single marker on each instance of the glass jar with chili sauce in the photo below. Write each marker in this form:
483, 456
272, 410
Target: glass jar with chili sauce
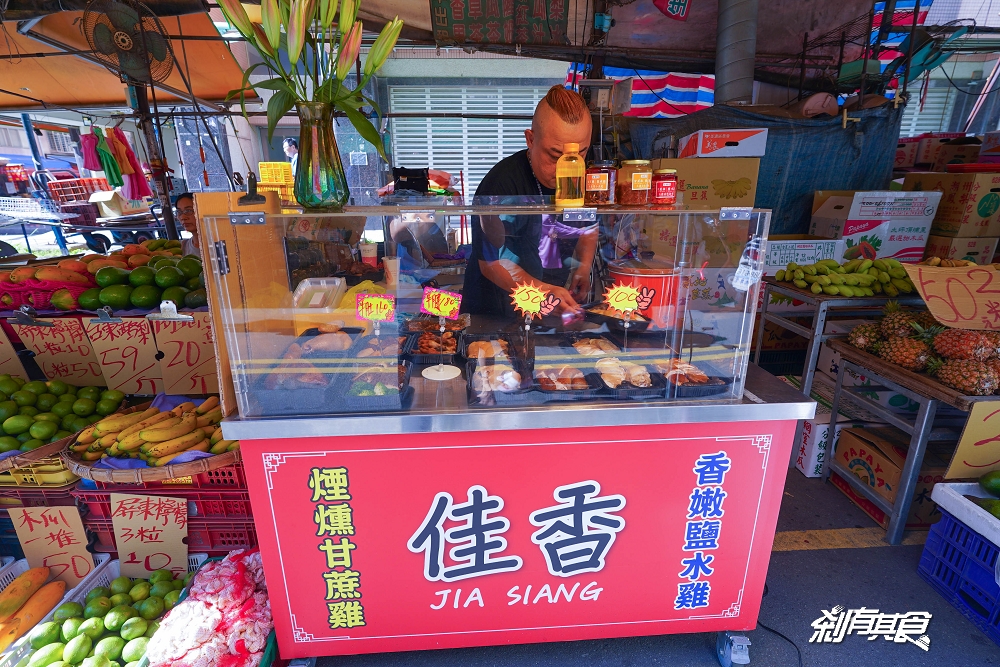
635, 179
664, 187
600, 183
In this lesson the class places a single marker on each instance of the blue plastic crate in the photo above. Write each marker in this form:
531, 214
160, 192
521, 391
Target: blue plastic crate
960, 564
9, 544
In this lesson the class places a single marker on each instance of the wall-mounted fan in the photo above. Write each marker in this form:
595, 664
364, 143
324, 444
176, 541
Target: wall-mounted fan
128, 38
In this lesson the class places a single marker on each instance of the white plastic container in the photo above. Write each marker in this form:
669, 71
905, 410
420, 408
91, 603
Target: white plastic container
951, 498
314, 301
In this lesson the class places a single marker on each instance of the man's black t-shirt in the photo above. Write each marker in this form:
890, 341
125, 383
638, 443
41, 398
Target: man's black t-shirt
510, 181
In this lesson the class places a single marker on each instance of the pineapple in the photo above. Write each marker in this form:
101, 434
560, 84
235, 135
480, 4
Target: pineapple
925, 319
909, 353
994, 365
963, 344
865, 336
994, 338
971, 378
896, 322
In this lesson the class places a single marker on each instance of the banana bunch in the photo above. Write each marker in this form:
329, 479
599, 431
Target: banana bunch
156, 437
858, 277
947, 263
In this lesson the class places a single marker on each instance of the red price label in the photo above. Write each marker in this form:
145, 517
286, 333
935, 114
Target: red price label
966, 297
441, 303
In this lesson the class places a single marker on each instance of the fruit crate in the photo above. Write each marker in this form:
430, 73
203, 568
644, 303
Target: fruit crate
57, 496
42, 473
286, 192
213, 536
960, 557
16, 173
9, 544
229, 477
202, 503
76, 189
103, 575
275, 172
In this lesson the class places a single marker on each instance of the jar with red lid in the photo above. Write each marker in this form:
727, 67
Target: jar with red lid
599, 186
634, 183
664, 187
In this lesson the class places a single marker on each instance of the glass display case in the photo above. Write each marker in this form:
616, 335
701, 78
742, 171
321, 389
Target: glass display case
636, 305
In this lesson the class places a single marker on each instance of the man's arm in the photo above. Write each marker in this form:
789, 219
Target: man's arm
586, 247
505, 274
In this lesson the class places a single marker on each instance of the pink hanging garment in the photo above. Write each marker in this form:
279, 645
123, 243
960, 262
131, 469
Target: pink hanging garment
136, 186
88, 150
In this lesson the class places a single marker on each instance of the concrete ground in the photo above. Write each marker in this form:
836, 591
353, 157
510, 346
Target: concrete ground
853, 567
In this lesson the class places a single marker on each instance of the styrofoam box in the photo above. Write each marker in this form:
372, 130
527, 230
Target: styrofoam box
950, 497
104, 573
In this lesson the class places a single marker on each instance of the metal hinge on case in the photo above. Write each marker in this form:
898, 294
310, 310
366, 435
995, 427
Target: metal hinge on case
248, 218
27, 315
221, 258
579, 215
735, 213
168, 313
106, 316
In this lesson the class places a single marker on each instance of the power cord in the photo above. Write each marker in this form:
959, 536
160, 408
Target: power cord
773, 631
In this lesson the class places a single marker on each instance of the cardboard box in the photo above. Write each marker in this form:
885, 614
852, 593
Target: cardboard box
113, 205
924, 512
886, 223
874, 455
799, 248
778, 338
712, 184
906, 152
711, 246
740, 142
931, 143
965, 153
970, 206
990, 146
979, 250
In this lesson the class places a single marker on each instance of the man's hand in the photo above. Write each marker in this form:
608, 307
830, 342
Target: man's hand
579, 285
566, 301
645, 298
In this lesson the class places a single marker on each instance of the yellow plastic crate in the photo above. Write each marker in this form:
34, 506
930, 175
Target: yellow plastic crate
286, 193
44, 472
275, 172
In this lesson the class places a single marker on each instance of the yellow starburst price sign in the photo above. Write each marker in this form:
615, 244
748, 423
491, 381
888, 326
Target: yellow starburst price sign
528, 298
622, 297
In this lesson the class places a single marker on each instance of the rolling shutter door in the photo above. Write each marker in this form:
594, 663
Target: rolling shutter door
469, 145
936, 115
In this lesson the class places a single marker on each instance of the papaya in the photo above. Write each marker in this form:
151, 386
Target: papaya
98, 264
22, 273
33, 611
5, 277
63, 299
61, 275
73, 265
87, 259
133, 249
17, 593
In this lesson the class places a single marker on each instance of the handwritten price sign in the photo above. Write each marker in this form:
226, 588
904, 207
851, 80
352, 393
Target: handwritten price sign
441, 303
53, 537
376, 307
532, 300
63, 352
622, 297
966, 297
10, 363
127, 354
149, 533
188, 361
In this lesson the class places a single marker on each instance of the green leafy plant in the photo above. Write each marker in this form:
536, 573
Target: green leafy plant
321, 52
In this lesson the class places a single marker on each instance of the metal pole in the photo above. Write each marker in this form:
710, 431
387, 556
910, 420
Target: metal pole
913, 37
29, 130
864, 64
156, 161
802, 71
736, 48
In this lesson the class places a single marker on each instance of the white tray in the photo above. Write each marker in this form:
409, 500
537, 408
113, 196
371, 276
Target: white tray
950, 498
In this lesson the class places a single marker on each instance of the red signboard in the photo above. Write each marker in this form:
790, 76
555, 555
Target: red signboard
467, 539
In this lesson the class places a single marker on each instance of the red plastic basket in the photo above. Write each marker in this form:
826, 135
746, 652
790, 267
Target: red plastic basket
16, 173
230, 477
76, 189
19, 496
214, 537
202, 503
37, 293
86, 213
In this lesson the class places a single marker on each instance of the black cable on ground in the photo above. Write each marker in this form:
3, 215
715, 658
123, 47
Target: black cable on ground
773, 631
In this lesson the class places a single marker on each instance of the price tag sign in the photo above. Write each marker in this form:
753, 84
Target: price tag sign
965, 297
53, 537
10, 363
150, 533
441, 303
622, 297
63, 351
978, 451
532, 300
188, 361
376, 307
127, 354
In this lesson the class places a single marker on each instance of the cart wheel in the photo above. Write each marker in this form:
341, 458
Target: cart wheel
97, 243
139, 237
732, 649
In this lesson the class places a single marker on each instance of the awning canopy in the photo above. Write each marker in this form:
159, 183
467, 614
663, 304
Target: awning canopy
77, 81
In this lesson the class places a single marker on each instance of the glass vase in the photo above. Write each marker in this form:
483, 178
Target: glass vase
320, 181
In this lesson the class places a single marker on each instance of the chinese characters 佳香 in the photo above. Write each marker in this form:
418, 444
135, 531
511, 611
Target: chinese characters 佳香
334, 521
702, 530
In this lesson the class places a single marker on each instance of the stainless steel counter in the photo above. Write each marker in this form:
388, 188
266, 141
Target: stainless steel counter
766, 399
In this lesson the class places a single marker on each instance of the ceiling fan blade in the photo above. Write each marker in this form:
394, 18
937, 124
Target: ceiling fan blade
156, 45
134, 66
122, 16
104, 40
